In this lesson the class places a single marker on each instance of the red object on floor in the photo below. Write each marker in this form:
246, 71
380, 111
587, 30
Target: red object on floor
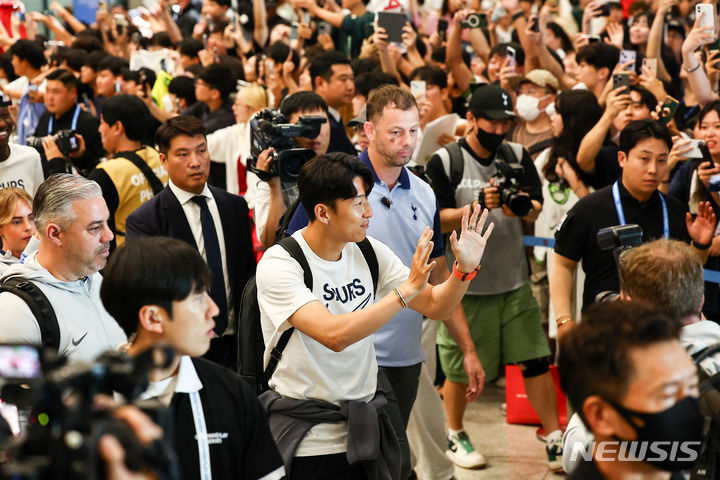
519, 410
257, 246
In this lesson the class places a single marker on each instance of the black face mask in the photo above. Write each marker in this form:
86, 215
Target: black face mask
680, 427
489, 141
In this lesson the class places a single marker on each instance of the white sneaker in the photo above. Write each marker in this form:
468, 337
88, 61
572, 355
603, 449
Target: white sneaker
462, 453
554, 452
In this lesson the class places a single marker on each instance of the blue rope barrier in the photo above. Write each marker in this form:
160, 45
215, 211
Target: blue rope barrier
711, 276
538, 241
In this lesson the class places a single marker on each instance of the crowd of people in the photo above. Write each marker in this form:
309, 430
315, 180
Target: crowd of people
372, 168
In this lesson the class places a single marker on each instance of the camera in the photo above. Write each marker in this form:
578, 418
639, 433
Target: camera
507, 180
268, 129
619, 239
66, 141
62, 436
475, 20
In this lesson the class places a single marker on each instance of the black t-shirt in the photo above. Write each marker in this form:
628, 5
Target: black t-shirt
577, 237
607, 168
215, 120
241, 445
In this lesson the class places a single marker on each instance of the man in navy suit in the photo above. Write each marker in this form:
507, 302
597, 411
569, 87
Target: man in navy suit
210, 219
333, 79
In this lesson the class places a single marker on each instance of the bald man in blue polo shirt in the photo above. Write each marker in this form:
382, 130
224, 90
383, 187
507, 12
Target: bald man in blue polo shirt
403, 205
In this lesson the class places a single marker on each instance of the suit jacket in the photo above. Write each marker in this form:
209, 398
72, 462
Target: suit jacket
163, 215
339, 141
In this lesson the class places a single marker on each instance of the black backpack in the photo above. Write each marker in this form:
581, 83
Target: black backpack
708, 462
40, 307
284, 222
251, 345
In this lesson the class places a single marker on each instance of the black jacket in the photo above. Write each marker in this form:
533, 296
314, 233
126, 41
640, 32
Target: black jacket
240, 442
163, 215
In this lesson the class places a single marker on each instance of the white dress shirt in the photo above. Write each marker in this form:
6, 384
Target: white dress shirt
192, 213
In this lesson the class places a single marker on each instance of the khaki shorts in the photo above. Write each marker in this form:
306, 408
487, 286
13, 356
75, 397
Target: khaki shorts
505, 328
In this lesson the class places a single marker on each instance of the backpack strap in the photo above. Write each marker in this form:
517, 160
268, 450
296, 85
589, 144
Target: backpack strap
705, 353
369, 253
40, 307
293, 248
457, 164
142, 165
539, 146
507, 153
282, 229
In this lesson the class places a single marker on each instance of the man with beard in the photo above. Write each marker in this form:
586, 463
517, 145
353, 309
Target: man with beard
402, 206
503, 315
72, 223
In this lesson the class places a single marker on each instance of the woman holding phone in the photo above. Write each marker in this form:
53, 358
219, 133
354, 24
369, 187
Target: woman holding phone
563, 184
691, 184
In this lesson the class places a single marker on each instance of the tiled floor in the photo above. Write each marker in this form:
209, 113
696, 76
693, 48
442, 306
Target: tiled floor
512, 451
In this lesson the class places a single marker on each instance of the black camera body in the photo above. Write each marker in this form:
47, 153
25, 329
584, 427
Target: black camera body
66, 141
622, 237
64, 431
618, 238
268, 129
507, 180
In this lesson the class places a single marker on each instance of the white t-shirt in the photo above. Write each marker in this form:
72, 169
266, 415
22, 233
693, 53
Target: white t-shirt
23, 168
309, 370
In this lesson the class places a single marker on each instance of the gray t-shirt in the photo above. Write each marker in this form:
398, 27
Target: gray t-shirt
504, 264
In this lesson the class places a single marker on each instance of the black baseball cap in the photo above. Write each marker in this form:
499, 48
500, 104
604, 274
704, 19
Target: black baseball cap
491, 101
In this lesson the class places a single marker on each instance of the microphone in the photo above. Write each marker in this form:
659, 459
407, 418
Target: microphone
387, 201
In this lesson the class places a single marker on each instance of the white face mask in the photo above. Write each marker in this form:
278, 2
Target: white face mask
550, 109
527, 107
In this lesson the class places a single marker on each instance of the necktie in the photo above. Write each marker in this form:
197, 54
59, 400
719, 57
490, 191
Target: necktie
214, 261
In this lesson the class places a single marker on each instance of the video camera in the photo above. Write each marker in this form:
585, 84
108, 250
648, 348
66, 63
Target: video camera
63, 434
618, 239
507, 181
66, 141
269, 129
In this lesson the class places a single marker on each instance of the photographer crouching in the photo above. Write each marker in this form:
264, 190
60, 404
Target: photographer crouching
67, 136
278, 155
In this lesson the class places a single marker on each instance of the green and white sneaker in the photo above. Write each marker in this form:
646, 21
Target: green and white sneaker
554, 452
462, 453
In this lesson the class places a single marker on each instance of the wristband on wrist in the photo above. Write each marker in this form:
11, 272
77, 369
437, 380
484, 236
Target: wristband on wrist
464, 277
701, 246
562, 320
400, 297
690, 70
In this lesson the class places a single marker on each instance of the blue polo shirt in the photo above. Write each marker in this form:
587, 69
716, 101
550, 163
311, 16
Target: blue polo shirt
414, 207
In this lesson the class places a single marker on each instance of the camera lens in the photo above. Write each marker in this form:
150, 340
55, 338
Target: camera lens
520, 205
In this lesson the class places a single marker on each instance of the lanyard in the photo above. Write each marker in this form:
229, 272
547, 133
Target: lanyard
73, 125
621, 214
201, 435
